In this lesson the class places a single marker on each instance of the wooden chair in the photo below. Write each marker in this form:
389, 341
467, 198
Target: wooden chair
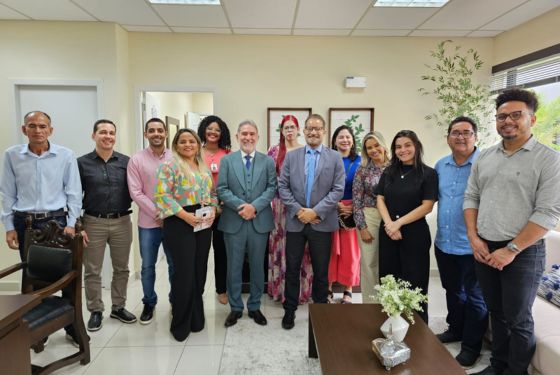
53, 263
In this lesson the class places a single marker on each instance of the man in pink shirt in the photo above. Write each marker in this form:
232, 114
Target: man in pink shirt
141, 176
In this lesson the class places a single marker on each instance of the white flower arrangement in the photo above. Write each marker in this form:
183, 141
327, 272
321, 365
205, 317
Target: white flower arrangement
397, 297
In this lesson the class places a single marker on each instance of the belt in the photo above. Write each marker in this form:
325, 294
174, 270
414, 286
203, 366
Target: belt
41, 215
110, 215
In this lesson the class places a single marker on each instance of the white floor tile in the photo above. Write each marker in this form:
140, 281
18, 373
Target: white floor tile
214, 332
160, 360
200, 360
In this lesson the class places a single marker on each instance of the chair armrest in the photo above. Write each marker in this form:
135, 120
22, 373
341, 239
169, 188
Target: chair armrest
56, 286
7, 271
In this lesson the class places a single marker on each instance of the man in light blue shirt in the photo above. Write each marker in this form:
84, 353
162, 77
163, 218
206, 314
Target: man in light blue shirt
467, 315
40, 179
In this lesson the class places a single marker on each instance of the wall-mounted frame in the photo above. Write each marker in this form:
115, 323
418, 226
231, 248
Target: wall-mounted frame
173, 125
274, 117
359, 119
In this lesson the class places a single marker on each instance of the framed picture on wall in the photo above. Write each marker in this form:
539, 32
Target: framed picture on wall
173, 125
359, 119
274, 117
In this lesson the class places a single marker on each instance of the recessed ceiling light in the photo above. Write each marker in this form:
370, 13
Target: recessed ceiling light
411, 3
187, 2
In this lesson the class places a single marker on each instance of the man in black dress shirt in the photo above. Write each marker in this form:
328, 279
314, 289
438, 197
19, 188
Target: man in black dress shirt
107, 212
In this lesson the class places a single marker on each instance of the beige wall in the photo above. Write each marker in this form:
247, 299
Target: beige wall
250, 73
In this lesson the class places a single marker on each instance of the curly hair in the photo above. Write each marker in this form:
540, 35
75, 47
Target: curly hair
225, 139
518, 95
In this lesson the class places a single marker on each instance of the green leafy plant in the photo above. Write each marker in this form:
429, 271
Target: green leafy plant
396, 297
358, 130
451, 76
547, 128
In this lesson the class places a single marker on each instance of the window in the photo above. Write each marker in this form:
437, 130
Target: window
540, 72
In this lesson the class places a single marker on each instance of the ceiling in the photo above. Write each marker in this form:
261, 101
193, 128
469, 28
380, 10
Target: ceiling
458, 18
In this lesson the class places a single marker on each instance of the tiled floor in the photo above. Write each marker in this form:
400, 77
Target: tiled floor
243, 349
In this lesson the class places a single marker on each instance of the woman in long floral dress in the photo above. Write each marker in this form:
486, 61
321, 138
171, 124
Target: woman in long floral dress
289, 129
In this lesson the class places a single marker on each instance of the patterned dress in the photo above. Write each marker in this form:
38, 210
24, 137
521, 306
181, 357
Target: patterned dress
277, 252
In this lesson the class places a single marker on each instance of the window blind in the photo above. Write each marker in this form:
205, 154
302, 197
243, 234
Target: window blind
530, 74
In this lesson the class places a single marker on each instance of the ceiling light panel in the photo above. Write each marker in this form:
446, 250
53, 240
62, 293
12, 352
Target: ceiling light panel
187, 2
395, 18
411, 3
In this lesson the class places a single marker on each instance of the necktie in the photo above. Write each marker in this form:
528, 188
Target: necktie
248, 161
311, 160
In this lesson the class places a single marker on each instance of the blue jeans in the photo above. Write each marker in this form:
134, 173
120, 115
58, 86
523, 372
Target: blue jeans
150, 239
467, 315
509, 295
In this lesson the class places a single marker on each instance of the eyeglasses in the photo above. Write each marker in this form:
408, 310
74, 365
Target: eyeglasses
515, 115
466, 134
312, 129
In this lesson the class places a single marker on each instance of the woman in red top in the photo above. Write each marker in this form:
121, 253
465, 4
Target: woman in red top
214, 133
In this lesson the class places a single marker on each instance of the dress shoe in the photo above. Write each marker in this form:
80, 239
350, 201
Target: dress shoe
288, 320
147, 314
95, 321
258, 317
232, 318
448, 336
123, 315
467, 359
487, 371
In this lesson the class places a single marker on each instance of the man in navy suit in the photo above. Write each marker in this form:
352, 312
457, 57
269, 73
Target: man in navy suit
311, 184
246, 185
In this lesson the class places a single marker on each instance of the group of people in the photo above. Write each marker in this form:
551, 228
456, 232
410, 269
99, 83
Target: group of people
322, 214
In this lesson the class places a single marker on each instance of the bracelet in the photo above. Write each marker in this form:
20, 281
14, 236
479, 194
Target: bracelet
513, 247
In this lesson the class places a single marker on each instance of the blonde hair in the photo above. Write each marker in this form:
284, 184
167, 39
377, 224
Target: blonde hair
181, 162
378, 137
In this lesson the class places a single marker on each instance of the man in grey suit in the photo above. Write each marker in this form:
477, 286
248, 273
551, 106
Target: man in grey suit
311, 184
246, 185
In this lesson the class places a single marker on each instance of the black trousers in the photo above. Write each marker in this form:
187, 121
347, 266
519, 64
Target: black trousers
407, 259
189, 252
220, 257
509, 295
320, 252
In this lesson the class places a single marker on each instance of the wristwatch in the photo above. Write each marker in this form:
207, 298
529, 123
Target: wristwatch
513, 247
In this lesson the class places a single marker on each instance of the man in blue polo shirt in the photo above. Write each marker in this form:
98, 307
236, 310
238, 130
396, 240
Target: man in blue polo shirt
467, 315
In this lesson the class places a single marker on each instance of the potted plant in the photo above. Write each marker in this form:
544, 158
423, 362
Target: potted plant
451, 80
398, 298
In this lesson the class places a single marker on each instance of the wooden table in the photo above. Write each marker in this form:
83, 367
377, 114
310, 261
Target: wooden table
341, 335
14, 335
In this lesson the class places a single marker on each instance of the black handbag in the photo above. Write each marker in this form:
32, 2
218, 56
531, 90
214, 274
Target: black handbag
346, 222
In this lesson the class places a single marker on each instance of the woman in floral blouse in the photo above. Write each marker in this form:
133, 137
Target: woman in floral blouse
374, 159
185, 185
